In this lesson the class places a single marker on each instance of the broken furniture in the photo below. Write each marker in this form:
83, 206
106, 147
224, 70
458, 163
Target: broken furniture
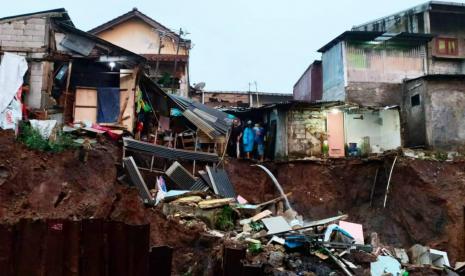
138, 180
183, 179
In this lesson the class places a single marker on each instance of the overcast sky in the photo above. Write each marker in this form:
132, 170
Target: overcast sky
236, 42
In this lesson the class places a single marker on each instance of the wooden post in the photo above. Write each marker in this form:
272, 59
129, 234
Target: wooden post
195, 149
68, 79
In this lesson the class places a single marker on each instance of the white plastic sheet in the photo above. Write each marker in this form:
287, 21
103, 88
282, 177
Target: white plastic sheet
12, 70
12, 113
45, 127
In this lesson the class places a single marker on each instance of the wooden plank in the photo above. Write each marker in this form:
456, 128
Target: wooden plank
206, 204
85, 108
127, 109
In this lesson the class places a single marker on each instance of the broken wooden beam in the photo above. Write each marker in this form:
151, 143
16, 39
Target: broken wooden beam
206, 204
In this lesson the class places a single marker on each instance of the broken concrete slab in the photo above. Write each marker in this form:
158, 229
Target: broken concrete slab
385, 264
423, 255
276, 225
402, 255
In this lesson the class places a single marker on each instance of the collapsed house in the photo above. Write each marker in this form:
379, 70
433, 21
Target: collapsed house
77, 77
68, 66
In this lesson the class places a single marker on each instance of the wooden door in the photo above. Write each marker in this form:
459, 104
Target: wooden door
335, 130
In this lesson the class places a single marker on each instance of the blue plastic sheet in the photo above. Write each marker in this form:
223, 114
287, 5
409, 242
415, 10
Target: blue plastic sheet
108, 99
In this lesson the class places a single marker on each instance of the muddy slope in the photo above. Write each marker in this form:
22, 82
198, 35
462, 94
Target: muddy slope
42, 185
425, 204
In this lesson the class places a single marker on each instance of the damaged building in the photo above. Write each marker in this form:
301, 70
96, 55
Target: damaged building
68, 66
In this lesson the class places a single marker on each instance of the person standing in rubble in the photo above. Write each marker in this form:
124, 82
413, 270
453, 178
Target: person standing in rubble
234, 149
259, 132
248, 139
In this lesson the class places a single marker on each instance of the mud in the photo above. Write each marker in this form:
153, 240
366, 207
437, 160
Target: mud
44, 185
425, 203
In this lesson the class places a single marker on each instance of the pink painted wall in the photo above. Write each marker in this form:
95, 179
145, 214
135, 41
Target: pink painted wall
335, 125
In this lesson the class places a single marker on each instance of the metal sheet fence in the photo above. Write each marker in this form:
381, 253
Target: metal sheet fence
87, 247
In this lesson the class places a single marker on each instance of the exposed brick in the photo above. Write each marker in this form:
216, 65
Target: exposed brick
34, 32
40, 27
38, 38
19, 25
36, 21
12, 32
11, 43
32, 44
5, 37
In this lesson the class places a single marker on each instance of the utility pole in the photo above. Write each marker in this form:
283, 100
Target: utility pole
176, 60
161, 35
250, 97
256, 92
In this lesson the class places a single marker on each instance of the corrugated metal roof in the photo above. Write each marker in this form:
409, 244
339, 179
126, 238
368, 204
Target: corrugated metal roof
371, 36
220, 182
259, 93
138, 180
183, 179
211, 121
169, 153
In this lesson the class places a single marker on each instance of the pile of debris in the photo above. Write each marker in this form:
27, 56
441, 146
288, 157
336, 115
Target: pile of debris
272, 237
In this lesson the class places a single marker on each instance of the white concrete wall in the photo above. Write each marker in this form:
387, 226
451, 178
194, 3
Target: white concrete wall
382, 127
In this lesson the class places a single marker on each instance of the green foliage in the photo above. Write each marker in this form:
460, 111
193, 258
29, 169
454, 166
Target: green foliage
255, 248
257, 226
441, 156
33, 140
224, 220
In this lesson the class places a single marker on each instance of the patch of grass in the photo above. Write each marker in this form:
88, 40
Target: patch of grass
224, 220
33, 140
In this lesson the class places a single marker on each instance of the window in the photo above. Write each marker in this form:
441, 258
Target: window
415, 100
447, 46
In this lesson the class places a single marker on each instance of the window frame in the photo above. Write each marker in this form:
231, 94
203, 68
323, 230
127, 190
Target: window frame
446, 52
415, 99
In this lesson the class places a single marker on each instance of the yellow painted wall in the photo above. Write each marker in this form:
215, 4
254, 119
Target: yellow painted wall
139, 37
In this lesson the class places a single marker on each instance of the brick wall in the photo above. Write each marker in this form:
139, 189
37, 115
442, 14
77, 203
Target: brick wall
306, 130
29, 33
28, 37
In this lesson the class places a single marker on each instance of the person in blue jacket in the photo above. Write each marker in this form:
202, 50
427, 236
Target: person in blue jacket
248, 139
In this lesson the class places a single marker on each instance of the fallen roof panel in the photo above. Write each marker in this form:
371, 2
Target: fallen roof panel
169, 153
220, 181
182, 178
138, 180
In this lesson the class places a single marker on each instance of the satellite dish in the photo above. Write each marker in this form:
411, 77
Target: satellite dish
199, 86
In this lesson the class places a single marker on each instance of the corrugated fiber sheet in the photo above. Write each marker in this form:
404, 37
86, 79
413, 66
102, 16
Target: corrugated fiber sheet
138, 180
169, 153
183, 179
221, 183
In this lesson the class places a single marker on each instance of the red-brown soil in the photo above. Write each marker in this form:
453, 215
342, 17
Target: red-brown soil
46, 185
425, 203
